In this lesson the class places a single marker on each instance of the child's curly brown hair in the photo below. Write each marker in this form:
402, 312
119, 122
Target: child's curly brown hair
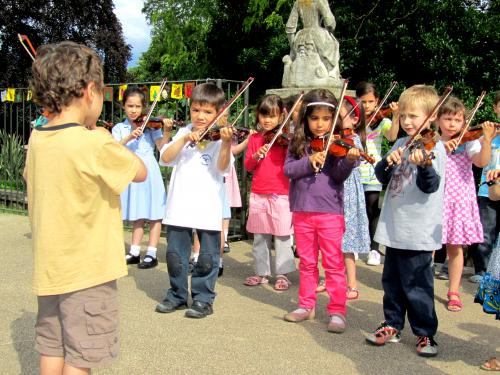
61, 71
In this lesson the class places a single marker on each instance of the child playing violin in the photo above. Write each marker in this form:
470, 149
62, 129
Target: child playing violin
316, 200
146, 200
194, 202
375, 132
410, 225
461, 221
269, 211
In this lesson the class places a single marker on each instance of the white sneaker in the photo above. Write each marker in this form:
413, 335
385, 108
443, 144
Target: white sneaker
373, 258
356, 256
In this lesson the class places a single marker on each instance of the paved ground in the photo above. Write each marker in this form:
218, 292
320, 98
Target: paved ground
246, 335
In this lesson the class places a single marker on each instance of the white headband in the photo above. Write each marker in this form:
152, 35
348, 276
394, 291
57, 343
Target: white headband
321, 103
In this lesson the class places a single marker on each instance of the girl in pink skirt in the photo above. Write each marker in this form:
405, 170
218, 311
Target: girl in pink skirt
269, 211
461, 221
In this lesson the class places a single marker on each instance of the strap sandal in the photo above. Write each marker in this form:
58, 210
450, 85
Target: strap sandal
352, 293
321, 286
255, 280
454, 305
492, 364
282, 283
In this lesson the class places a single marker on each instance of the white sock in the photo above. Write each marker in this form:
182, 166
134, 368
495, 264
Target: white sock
221, 263
151, 251
135, 250
226, 231
194, 257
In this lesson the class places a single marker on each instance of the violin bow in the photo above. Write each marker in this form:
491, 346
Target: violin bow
438, 105
24, 38
239, 115
335, 118
379, 107
287, 118
151, 109
472, 113
226, 106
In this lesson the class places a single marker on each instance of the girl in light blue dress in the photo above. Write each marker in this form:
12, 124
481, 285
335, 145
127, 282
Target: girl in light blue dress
144, 201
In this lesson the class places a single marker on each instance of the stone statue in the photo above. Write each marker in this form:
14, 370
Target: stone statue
314, 51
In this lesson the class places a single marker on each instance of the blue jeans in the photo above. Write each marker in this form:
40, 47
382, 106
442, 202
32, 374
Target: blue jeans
204, 276
491, 225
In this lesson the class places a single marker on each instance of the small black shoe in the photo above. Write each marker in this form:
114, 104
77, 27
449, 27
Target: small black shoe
221, 271
192, 265
148, 262
168, 306
227, 249
132, 259
199, 310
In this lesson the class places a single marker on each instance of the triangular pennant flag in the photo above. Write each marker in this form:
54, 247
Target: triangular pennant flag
4, 95
29, 95
108, 94
121, 89
188, 89
11, 95
176, 91
154, 91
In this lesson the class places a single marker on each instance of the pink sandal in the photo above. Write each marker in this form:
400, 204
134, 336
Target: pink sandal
255, 280
282, 283
321, 286
352, 293
454, 305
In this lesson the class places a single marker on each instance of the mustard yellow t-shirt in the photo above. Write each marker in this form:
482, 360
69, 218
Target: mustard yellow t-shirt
74, 178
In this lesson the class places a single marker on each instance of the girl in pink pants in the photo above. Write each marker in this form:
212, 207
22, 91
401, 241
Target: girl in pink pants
316, 202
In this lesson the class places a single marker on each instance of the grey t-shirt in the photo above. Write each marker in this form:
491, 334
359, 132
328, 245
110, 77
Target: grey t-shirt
412, 219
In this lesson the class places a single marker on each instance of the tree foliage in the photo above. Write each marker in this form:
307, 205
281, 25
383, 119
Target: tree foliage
440, 42
91, 22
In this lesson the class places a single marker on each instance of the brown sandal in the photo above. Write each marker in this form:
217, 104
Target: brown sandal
282, 283
492, 364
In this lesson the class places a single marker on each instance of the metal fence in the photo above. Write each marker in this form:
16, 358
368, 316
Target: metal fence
18, 114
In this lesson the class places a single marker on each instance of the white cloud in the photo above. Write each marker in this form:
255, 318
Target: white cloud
135, 29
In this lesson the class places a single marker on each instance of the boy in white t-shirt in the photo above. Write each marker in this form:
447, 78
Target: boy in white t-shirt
194, 202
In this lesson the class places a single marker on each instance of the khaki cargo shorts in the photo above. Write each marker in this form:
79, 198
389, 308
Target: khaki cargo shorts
80, 326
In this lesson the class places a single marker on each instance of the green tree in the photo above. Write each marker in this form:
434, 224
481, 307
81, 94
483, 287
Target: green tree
90, 22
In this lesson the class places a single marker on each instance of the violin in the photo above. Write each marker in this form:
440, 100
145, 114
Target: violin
379, 113
474, 132
156, 122
426, 141
382, 114
339, 147
282, 139
239, 134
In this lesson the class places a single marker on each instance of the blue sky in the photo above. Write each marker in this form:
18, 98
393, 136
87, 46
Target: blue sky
135, 28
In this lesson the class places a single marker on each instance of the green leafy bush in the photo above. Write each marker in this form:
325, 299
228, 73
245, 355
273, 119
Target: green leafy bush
11, 160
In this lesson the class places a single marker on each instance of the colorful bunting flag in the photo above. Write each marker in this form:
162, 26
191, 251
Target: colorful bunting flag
154, 91
11, 95
19, 96
108, 94
4, 95
121, 89
176, 91
29, 95
188, 89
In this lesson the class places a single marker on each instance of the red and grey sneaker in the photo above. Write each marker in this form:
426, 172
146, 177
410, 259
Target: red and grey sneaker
426, 346
384, 333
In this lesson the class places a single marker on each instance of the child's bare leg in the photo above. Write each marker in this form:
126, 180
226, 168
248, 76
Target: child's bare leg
350, 267
154, 233
455, 267
137, 232
51, 365
70, 370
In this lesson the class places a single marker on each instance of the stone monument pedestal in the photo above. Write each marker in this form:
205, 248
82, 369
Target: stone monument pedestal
289, 91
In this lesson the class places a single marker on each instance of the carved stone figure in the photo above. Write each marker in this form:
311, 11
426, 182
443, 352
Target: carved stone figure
314, 51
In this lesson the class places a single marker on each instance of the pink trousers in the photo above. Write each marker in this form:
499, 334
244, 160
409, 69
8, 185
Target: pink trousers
315, 231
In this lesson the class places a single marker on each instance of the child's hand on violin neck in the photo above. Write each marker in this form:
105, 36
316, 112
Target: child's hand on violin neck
226, 134
492, 174
168, 123
394, 106
194, 136
261, 152
489, 131
353, 154
317, 160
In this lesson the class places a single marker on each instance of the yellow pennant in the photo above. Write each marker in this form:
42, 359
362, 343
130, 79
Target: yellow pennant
11, 95
154, 91
121, 90
176, 91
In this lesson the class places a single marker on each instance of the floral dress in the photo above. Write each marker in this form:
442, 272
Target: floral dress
356, 236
